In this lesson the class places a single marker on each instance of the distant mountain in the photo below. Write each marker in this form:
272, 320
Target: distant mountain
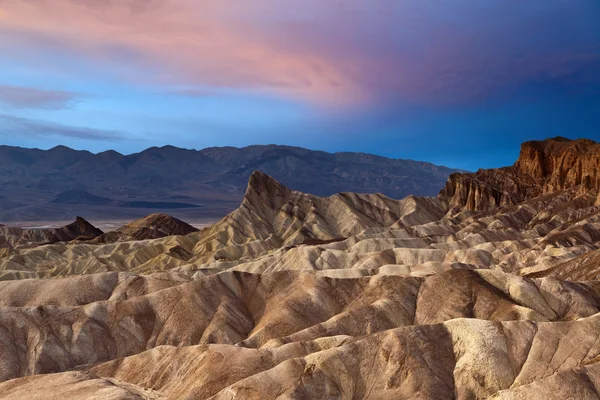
61, 182
81, 197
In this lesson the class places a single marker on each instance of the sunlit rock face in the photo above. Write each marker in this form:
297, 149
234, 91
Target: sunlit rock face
489, 291
543, 167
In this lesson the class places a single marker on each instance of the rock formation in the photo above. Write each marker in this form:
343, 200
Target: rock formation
14, 237
490, 291
153, 226
543, 167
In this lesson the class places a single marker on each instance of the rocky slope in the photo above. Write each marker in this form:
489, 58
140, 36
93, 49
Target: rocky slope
271, 218
350, 296
15, 237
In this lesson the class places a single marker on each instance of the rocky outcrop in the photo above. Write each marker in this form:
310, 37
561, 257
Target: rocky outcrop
558, 164
78, 230
272, 216
153, 226
15, 237
543, 167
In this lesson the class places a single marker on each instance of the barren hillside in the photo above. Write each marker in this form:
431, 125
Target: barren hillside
488, 291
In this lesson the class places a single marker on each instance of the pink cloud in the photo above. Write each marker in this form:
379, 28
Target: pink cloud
181, 42
335, 53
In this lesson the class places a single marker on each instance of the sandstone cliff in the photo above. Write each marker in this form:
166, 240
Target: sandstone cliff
543, 167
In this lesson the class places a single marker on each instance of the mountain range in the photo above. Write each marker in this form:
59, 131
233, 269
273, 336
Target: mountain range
490, 290
60, 183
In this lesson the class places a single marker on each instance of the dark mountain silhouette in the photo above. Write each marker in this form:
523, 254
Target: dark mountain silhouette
81, 197
61, 182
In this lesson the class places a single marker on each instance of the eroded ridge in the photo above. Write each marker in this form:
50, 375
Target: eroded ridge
489, 291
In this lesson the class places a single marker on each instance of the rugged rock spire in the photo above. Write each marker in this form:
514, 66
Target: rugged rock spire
265, 195
543, 167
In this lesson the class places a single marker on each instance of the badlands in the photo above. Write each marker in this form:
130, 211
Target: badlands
489, 291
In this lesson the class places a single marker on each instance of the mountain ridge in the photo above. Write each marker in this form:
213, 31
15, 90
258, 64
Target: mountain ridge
115, 153
212, 179
293, 295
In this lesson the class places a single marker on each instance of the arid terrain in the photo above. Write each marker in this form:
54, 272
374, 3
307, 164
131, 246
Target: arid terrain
490, 290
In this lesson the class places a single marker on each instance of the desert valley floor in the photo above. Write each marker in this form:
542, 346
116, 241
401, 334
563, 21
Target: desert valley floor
489, 291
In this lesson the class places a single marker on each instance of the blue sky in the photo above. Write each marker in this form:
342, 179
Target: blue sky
458, 83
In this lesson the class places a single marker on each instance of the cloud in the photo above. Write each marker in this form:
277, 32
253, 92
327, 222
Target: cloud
431, 53
24, 97
18, 126
170, 42
196, 93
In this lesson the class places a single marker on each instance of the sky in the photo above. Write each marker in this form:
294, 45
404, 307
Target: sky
459, 83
